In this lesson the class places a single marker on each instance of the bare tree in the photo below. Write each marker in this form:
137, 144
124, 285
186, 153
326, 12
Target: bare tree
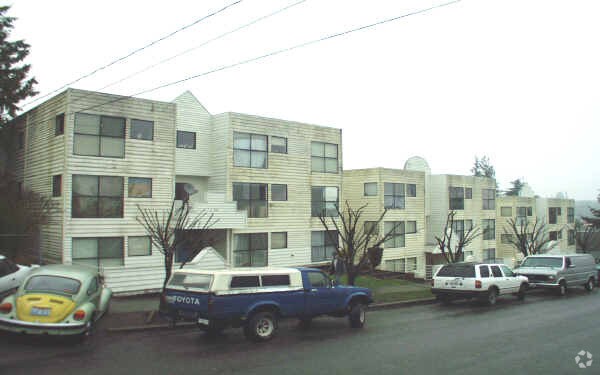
452, 249
584, 235
356, 240
169, 229
528, 239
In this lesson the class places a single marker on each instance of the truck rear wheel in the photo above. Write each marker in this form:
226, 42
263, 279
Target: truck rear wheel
261, 326
357, 315
589, 286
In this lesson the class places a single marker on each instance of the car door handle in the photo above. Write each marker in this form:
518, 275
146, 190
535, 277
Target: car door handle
313, 290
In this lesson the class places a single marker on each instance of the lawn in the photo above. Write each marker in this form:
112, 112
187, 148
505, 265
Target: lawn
389, 290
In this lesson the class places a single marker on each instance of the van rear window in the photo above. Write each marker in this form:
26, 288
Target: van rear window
457, 270
244, 282
191, 280
275, 280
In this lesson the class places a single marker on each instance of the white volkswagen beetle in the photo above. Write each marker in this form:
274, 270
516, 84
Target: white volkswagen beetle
12, 275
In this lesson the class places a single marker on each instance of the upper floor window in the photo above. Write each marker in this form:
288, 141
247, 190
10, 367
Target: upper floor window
56, 185
279, 192
279, 145
250, 249
181, 194
249, 150
397, 230
394, 195
457, 198
553, 213
411, 190
324, 201
571, 238
468, 193
139, 187
97, 196
324, 157
96, 135
370, 189
279, 240
59, 124
139, 246
488, 229
251, 197
142, 129
489, 199
570, 215
186, 139
506, 211
462, 227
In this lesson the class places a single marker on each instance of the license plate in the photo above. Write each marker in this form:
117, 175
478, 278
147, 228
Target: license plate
40, 311
453, 283
203, 321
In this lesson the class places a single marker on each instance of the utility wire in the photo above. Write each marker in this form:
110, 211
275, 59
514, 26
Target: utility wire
273, 53
135, 51
202, 44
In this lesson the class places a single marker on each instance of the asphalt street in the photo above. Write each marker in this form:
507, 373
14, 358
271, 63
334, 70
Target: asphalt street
541, 335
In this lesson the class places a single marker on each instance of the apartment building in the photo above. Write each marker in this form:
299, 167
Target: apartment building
402, 194
519, 209
559, 216
101, 156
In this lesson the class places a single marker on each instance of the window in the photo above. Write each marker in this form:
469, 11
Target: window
484, 271
97, 196
98, 252
186, 140
411, 264
140, 187
552, 213
142, 129
21, 140
244, 282
529, 211
275, 280
318, 280
506, 211
250, 250
279, 145
489, 255
324, 157
396, 228
411, 227
489, 199
370, 189
93, 288
251, 197
521, 215
555, 235
96, 135
457, 270
322, 245
139, 246
559, 234
507, 271
396, 265
324, 201
571, 237
249, 150
489, 229
495, 269
279, 192
506, 238
57, 185
393, 195
181, 193
371, 227
570, 215
457, 198
462, 227
279, 240
468, 193
59, 124
411, 190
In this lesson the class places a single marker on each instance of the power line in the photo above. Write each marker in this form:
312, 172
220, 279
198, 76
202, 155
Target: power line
276, 52
135, 52
202, 44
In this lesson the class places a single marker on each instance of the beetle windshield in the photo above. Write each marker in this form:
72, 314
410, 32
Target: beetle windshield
542, 262
191, 280
53, 284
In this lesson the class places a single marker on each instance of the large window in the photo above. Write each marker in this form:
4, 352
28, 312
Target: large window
324, 157
279, 145
279, 192
98, 252
323, 245
249, 150
139, 246
251, 197
97, 196
139, 187
457, 198
141, 129
488, 229
489, 199
186, 139
397, 230
370, 189
394, 195
96, 135
324, 201
570, 215
462, 227
250, 250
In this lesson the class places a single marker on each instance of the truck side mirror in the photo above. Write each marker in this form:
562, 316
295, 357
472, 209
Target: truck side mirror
332, 283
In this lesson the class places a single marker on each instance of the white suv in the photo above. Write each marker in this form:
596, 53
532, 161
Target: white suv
477, 280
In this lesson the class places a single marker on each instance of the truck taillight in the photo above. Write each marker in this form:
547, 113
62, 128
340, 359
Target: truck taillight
6, 307
79, 315
478, 284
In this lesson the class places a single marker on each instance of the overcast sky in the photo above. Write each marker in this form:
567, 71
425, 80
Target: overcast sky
516, 80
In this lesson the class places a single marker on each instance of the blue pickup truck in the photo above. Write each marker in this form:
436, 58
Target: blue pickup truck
256, 298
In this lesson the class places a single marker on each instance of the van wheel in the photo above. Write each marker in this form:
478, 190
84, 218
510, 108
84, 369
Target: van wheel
522, 291
492, 296
589, 286
562, 288
357, 315
261, 326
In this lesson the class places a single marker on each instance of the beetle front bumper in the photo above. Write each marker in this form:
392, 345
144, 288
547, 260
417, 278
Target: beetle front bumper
19, 326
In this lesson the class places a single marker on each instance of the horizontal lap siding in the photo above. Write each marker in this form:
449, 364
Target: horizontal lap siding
294, 170
193, 117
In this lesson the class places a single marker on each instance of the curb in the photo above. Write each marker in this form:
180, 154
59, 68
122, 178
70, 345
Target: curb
372, 307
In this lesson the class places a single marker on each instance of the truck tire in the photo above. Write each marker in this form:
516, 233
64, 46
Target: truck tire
261, 326
357, 315
562, 288
492, 296
522, 291
589, 286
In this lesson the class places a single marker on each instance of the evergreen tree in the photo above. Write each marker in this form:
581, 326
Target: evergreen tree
517, 185
483, 168
594, 218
